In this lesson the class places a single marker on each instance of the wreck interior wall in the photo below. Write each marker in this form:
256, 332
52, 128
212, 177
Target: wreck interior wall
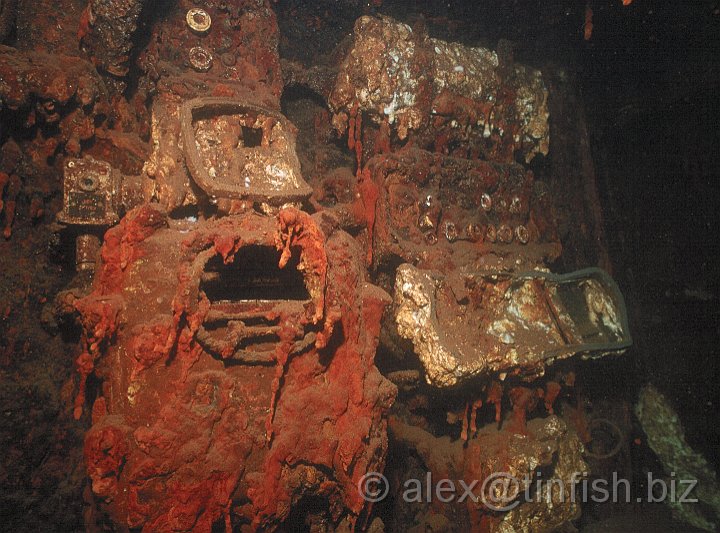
647, 83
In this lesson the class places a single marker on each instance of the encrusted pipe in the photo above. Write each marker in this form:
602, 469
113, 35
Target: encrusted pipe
87, 251
106, 32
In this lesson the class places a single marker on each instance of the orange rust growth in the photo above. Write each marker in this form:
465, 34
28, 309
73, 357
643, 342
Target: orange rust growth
365, 206
297, 228
588, 26
473, 416
230, 432
552, 390
351, 127
464, 432
121, 240
523, 400
100, 322
358, 141
494, 396
382, 141
83, 24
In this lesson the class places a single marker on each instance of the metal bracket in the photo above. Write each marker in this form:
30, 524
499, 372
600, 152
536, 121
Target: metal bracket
241, 151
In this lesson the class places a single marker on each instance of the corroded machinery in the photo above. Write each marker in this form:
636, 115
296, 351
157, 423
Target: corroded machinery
441, 93
230, 332
211, 339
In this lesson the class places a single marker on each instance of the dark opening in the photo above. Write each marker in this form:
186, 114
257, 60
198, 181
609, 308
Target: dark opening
252, 137
254, 275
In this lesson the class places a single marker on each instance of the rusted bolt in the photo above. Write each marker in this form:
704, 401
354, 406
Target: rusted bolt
451, 233
200, 59
486, 202
505, 234
522, 234
199, 20
431, 238
88, 183
491, 233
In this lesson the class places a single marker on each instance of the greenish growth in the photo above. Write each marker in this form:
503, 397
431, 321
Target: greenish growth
666, 437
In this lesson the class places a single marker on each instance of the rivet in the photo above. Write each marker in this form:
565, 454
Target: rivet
486, 202
473, 232
198, 19
451, 233
522, 234
200, 59
505, 234
491, 233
